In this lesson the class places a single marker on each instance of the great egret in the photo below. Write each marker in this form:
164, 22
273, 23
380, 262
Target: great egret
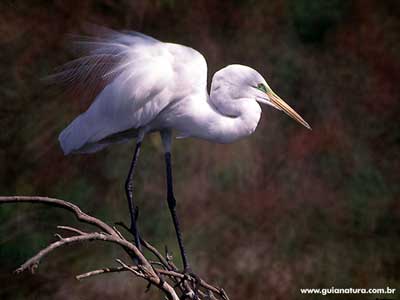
152, 86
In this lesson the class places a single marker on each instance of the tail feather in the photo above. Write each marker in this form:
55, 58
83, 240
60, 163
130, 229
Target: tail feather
83, 136
73, 137
76, 138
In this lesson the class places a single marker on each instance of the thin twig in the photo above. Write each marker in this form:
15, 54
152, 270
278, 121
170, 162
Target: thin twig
162, 260
98, 272
71, 229
134, 269
81, 216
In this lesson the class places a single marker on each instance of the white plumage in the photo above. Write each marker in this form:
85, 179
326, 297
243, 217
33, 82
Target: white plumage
154, 86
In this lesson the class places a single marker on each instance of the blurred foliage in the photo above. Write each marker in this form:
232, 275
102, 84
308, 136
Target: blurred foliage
313, 18
281, 210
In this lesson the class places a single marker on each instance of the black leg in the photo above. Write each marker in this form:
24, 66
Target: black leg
172, 207
129, 195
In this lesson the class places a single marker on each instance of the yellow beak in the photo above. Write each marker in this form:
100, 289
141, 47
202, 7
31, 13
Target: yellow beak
279, 103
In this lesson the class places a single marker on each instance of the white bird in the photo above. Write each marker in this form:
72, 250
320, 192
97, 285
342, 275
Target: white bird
152, 86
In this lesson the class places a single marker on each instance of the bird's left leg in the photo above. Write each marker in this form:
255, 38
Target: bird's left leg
166, 138
129, 194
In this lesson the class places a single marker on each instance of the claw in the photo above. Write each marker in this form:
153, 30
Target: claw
189, 295
194, 281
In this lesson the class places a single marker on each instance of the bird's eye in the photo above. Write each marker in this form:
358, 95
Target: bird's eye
262, 87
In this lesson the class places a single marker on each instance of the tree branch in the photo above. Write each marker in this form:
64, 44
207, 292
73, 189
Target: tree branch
160, 271
187, 286
81, 216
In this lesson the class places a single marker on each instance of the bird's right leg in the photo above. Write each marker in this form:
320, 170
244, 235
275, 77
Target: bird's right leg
129, 195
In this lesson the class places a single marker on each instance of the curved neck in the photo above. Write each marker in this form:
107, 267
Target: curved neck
223, 124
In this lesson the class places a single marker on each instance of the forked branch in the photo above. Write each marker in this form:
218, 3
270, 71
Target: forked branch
161, 273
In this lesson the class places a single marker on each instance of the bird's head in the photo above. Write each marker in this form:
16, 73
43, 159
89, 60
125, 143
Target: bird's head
242, 82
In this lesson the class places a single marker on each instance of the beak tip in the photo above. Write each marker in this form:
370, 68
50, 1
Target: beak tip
282, 105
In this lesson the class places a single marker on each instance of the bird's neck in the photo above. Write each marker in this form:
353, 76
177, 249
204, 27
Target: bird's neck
226, 123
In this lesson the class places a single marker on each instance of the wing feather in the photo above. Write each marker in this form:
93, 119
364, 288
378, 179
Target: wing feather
135, 67
140, 76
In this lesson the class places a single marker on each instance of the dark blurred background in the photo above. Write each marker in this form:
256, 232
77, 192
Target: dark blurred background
283, 209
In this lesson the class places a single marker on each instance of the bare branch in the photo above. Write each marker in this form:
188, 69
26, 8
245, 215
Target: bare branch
188, 286
163, 285
71, 229
81, 216
173, 274
34, 261
162, 260
134, 269
99, 271
58, 236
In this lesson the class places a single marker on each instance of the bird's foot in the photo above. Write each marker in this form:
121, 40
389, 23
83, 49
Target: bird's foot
192, 282
188, 272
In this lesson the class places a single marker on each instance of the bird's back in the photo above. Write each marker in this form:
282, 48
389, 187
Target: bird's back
144, 77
